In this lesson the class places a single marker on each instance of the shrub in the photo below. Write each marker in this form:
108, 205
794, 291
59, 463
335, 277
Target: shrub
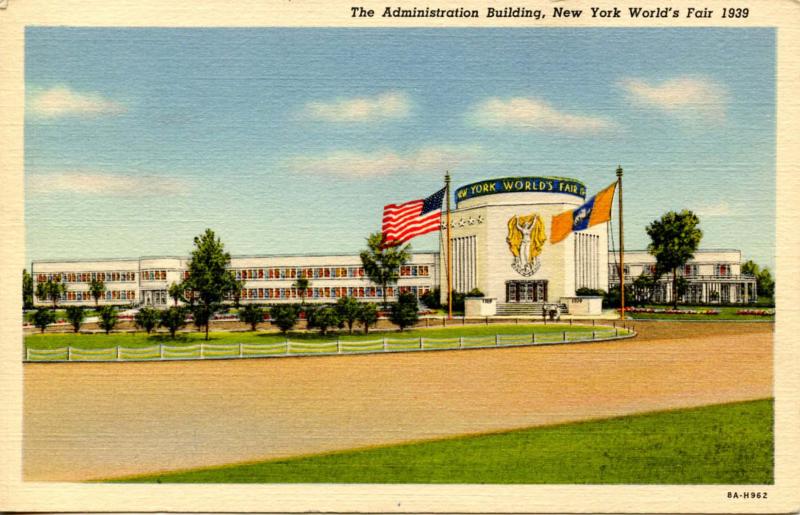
252, 314
432, 299
348, 309
404, 312
108, 318
173, 319
284, 316
75, 316
147, 319
323, 318
368, 315
43, 317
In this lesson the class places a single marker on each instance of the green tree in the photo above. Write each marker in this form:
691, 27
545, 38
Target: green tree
238, 286
324, 318
348, 309
284, 316
27, 290
674, 239
97, 288
765, 284
107, 319
382, 264
50, 290
43, 317
175, 291
209, 278
173, 319
252, 314
75, 316
147, 318
404, 312
368, 315
302, 284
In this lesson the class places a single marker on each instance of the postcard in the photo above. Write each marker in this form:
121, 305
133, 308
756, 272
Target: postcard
291, 256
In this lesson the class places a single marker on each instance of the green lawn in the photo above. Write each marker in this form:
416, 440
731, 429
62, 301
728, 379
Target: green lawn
725, 313
141, 339
722, 444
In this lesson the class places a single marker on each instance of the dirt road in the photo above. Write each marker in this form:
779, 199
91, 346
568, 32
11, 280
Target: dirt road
85, 420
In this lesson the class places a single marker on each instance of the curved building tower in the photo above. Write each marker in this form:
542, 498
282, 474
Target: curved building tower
501, 243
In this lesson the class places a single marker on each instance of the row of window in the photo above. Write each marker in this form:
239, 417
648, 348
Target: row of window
108, 295
154, 275
241, 274
369, 292
688, 270
326, 272
85, 277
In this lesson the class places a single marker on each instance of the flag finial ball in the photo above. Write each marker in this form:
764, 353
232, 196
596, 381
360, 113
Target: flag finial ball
619, 171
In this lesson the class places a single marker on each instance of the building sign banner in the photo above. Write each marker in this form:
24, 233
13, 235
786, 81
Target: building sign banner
521, 185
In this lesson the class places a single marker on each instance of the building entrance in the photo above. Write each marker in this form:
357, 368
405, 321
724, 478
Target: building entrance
526, 291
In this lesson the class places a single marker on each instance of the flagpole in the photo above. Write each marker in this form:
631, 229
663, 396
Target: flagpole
621, 248
449, 258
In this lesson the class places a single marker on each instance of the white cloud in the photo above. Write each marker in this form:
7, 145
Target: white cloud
386, 106
712, 210
98, 183
534, 114
683, 96
61, 101
351, 164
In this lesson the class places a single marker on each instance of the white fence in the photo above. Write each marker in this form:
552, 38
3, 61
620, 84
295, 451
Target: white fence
204, 350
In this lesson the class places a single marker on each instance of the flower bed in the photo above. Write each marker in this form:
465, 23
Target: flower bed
671, 311
757, 312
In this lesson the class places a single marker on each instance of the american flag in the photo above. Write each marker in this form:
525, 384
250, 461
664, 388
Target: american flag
401, 222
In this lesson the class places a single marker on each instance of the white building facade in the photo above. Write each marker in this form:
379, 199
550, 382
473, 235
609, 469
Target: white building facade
267, 279
712, 277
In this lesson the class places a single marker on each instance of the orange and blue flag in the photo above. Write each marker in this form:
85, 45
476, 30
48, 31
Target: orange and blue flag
595, 211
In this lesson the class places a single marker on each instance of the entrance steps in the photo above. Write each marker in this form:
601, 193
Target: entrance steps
524, 309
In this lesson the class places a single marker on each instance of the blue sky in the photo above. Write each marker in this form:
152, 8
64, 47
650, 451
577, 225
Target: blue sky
292, 140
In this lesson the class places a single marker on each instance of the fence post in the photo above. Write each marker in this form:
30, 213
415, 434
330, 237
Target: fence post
384, 344
616, 331
614, 323
594, 335
497, 340
241, 354
444, 321
288, 346
118, 354
565, 335
161, 351
338, 344
463, 319
533, 337
460, 342
420, 343
202, 356
69, 353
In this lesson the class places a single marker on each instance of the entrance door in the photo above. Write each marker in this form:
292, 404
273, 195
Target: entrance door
526, 291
